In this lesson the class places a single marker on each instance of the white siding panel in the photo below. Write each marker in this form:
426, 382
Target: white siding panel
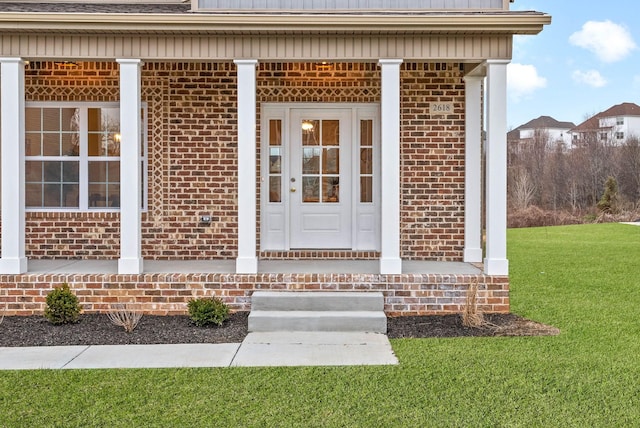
350, 4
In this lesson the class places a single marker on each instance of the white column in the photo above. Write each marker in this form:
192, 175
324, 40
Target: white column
390, 262
13, 259
496, 262
130, 261
247, 261
473, 170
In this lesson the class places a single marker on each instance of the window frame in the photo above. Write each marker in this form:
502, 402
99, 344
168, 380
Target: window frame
83, 159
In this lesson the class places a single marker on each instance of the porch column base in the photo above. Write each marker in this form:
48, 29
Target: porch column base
499, 267
132, 266
247, 265
13, 266
390, 266
473, 255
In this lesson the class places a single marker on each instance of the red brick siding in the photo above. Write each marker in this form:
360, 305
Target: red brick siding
432, 216
167, 294
193, 156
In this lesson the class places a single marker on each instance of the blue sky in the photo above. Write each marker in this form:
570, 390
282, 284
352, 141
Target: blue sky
586, 61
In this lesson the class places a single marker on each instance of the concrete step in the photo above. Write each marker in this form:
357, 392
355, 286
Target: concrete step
316, 301
338, 321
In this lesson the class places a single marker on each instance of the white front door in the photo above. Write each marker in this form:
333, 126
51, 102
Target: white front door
320, 176
320, 179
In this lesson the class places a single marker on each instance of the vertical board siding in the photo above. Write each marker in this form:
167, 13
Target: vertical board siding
350, 4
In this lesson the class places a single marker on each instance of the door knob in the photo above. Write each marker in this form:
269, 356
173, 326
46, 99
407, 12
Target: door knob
293, 189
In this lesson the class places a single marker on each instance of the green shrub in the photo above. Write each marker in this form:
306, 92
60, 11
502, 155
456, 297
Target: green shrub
208, 311
62, 306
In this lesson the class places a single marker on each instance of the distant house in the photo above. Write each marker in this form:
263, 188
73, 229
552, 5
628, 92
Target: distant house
153, 151
612, 126
556, 133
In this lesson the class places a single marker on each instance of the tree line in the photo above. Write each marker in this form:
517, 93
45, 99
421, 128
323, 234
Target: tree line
550, 176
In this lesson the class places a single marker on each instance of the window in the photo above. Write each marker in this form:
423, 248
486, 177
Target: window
620, 121
603, 136
72, 153
619, 135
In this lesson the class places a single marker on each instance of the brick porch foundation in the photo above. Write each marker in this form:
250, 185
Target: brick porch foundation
167, 294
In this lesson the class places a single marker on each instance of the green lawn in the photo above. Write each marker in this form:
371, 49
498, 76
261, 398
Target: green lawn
583, 279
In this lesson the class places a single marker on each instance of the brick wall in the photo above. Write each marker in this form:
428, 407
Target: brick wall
192, 160
432, 216
168, 294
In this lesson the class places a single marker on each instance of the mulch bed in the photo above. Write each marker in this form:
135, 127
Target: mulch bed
96, 329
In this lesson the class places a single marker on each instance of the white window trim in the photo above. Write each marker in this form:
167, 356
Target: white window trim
83, 159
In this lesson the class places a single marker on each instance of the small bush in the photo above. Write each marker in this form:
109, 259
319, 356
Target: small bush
125, 316
208, 311
62, 306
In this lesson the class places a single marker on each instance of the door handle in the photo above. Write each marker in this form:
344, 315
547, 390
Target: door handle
293, 189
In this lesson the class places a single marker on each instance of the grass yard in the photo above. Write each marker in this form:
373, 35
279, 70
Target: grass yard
583, 279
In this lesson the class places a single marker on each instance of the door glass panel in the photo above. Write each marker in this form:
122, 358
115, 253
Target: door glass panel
311, 189
331, 189
331, 161
330, 132
310, 132
311, 160
275, 160
275, 189
321, 161
366, 189
366, 161
275, 132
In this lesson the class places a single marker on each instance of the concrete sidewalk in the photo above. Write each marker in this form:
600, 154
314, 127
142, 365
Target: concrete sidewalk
257, 350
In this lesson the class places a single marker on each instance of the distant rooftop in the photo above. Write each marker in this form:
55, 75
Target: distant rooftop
546, 122
619, 110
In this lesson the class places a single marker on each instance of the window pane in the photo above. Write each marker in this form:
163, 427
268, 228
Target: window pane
33, 171
366, 161
366, 189
33, 195
71, 195
311, 189
331, 132
331, 161
51, 119
311, 160
32, 119
70, 119
70, 172
113, 195
275, 160
331, 189
310, 132
97, 195
70, 144
275, 189
104, 184
94, 145
51, 144
275, 132
104, 120
52, 172
32, 144
366, 133
52, 195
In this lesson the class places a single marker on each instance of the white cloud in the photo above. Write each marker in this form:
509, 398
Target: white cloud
590, 77
610, 42
523, 80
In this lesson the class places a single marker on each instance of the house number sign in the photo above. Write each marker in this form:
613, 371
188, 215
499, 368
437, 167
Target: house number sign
441, 108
